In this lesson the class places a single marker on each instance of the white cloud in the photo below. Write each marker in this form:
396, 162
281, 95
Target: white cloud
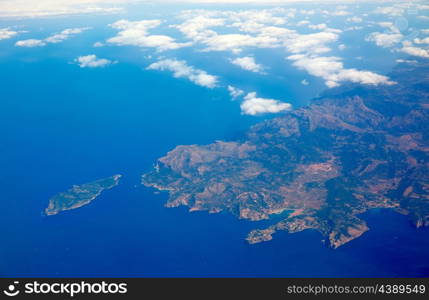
91, 61
305, 82
248, 63
235, 92
261, 16
421, 41
394, 37
306, 47
384, 39
323, 27
303, 23
388, 40
196, 27
64, 35
258, 30
53, 39
181, 69
199, 23
314, 43
341, 47
30, 43
406, 61
332, 70
6, 33
136, 34
252, 105
415, 51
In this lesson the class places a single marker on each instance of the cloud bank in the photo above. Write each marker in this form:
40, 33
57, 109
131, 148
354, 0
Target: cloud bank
47, 8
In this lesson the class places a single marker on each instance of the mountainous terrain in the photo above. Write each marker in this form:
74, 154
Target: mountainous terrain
353, 149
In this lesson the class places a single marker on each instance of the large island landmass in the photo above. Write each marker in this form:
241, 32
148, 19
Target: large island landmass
353, 149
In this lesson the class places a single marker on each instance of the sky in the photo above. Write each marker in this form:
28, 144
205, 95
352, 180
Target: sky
29, 8
310, 37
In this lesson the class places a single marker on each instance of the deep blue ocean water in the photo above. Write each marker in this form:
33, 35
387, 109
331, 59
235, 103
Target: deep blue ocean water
61, 125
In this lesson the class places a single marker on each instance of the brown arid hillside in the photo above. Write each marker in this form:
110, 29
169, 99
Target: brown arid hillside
353, 149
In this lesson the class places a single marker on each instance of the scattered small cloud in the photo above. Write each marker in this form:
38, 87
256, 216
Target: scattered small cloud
64, 35
406, 61
248, 63
7, 33
384, 40
136, 33
303, 23
305, 82
252, 105
180, 69
53, 39
421, 41
235, 92
415, 51
311, 43
30, 43
92, 61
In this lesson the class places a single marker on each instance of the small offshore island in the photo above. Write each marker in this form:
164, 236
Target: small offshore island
80, 195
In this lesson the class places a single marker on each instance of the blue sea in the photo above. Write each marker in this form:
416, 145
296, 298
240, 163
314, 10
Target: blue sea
61, 125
